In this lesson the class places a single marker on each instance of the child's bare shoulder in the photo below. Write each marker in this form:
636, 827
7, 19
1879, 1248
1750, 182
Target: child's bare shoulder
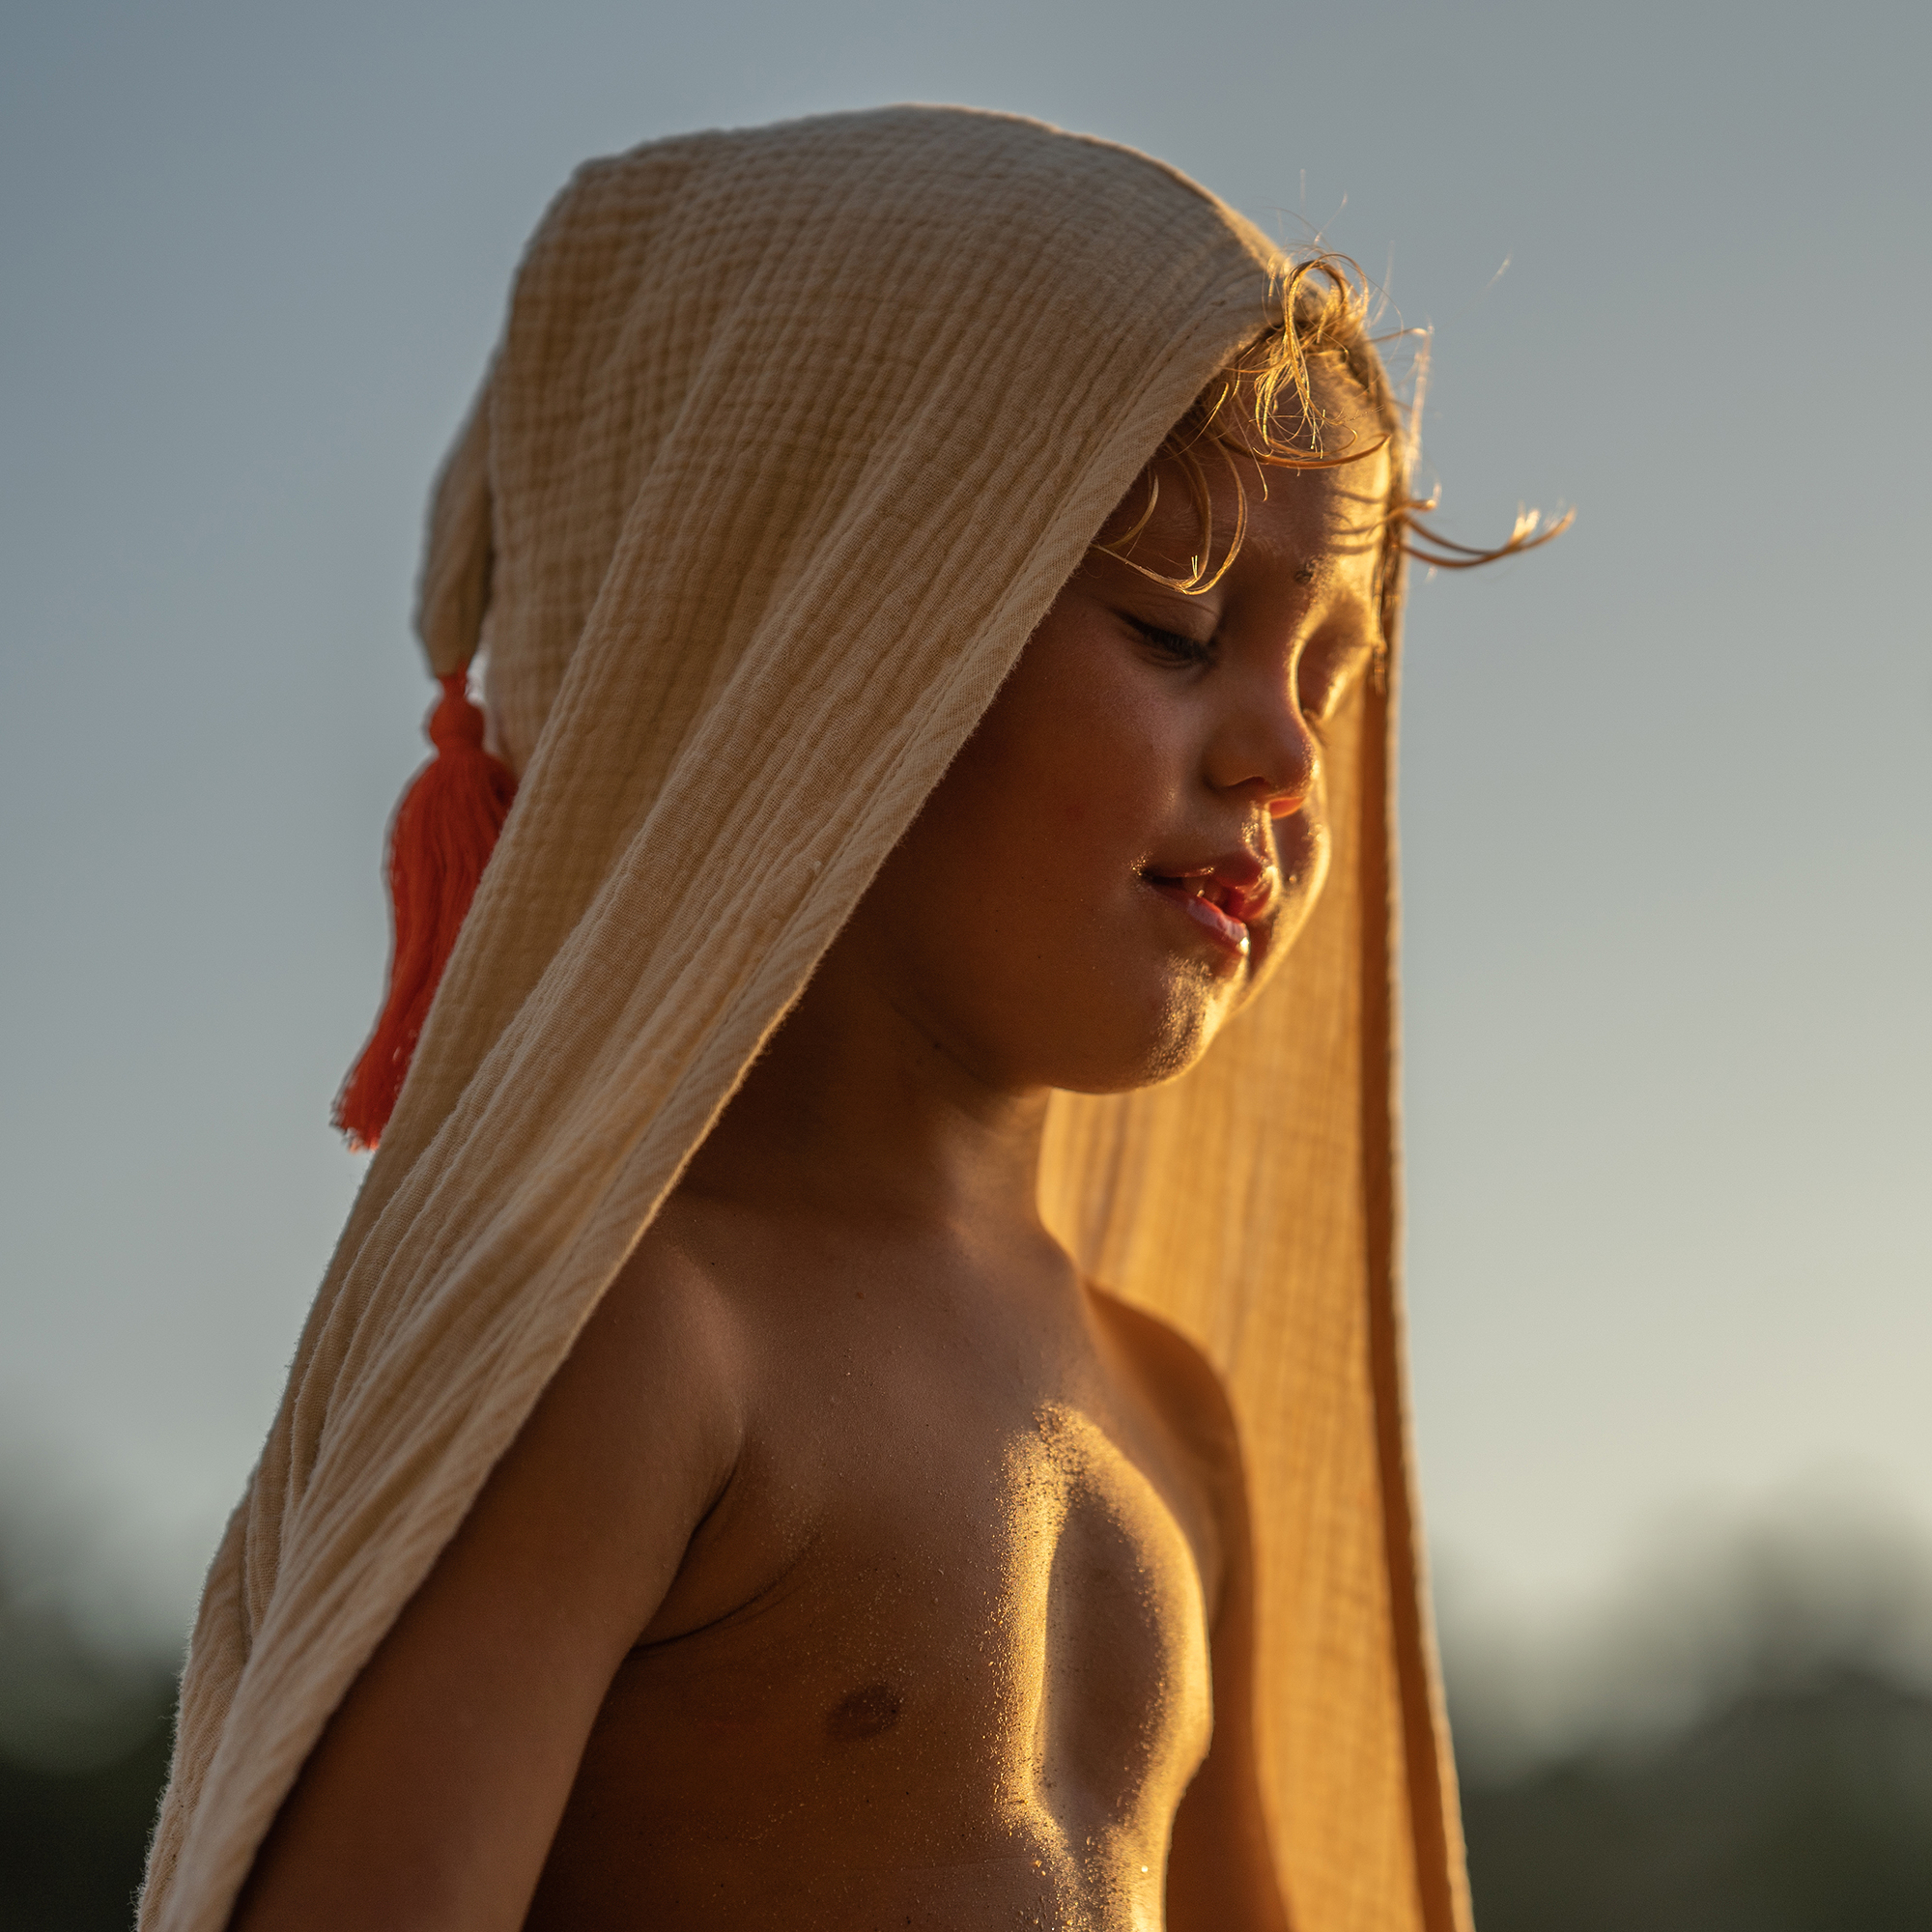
659, 1366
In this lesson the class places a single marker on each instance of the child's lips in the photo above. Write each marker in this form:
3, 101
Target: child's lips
1227, 924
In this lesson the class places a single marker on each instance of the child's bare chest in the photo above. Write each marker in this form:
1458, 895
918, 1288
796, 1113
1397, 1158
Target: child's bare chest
949, 1619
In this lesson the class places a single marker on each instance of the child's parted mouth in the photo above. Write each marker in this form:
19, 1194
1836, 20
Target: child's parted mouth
1225, 897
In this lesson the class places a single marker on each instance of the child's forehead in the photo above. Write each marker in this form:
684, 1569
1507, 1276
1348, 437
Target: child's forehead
1311, 552
1308, 522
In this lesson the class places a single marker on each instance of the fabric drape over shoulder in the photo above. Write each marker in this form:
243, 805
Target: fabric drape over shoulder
792, 437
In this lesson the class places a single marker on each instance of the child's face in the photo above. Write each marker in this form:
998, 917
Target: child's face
1136, 831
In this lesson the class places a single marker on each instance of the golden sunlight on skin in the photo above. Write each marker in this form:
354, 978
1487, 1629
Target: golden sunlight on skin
1088, 1533
962, 1667
863, 1566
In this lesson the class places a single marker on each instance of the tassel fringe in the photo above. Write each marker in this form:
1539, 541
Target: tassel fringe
443, 832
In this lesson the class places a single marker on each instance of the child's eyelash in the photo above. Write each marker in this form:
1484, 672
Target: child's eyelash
1174, 644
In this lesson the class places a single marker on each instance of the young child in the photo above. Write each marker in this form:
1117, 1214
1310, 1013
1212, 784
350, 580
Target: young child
939, 579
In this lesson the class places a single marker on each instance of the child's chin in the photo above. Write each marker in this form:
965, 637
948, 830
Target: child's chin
1133, 1059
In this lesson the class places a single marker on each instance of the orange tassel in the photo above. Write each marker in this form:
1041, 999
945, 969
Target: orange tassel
443, 835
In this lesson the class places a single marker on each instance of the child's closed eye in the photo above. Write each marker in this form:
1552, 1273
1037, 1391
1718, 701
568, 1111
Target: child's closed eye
1174, 645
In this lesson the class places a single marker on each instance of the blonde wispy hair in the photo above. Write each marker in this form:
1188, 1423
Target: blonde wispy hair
1261, 406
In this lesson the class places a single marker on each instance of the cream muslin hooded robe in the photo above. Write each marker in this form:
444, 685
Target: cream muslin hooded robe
791, 438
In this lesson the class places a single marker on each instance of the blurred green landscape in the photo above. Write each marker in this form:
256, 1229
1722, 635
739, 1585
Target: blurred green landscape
72, 1842
85, 1728
1802, 1808
1769, 1772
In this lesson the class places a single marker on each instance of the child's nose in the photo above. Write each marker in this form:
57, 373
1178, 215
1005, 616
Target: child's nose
1268, 750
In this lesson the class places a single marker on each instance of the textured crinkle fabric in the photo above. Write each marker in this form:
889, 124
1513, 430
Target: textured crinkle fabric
791, 438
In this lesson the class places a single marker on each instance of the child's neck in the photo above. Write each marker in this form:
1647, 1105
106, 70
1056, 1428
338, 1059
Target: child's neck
855, 1110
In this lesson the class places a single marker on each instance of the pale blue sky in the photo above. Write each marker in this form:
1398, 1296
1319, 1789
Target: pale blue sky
1666, 819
